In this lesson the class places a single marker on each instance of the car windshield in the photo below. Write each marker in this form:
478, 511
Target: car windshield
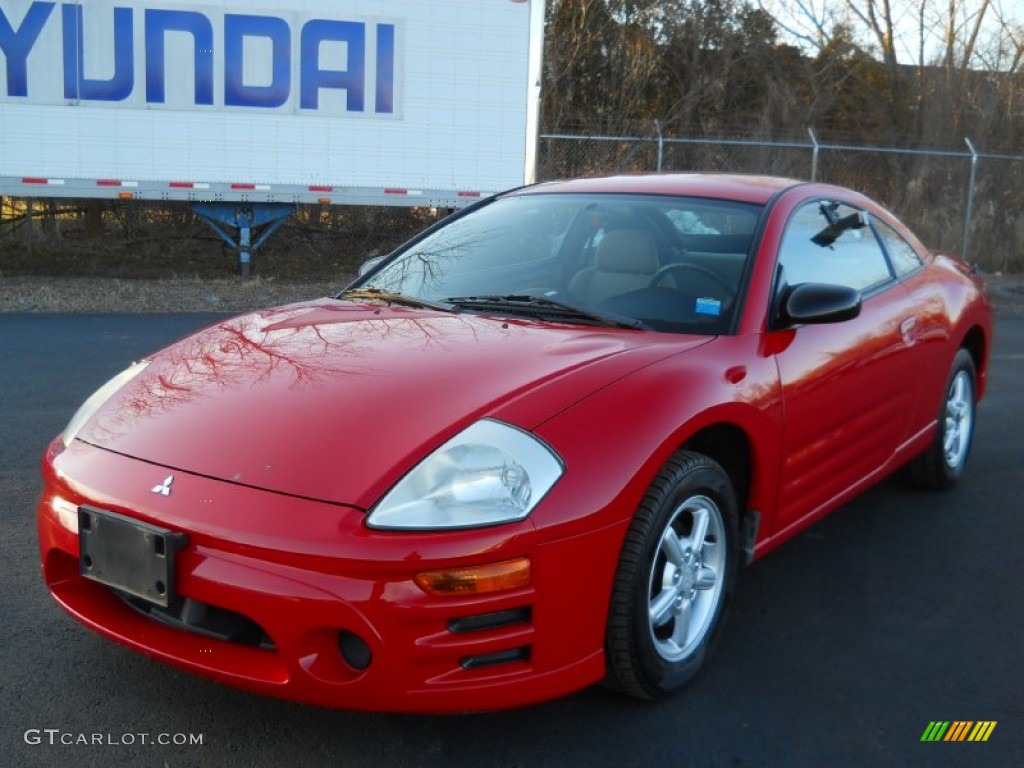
638, 261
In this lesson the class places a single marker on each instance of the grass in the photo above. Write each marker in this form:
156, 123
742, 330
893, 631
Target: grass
150, 257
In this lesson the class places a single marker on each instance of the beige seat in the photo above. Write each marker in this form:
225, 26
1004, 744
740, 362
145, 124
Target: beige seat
625, 261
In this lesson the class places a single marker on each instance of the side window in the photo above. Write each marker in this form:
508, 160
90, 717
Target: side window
829, 242
901, 253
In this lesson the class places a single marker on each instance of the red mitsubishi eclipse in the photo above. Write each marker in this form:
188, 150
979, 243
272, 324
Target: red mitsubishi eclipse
528, 451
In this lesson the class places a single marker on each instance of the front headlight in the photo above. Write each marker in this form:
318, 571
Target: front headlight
98, 398
487, 474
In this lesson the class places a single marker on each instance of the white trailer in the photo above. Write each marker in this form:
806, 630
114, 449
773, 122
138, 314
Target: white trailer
236, 104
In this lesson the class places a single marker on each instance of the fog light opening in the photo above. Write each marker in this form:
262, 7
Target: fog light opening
354, 650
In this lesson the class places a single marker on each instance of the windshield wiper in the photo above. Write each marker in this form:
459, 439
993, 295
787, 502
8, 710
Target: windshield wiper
394, 298
544, 306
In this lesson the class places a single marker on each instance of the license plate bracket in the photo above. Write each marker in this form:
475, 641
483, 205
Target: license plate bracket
128, 554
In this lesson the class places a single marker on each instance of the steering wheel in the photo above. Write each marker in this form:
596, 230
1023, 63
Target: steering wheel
681, 266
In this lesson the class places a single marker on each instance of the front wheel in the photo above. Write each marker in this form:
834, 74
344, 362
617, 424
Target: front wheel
675, 577
941, 464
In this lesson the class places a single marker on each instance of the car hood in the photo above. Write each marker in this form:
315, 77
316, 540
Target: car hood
334, 400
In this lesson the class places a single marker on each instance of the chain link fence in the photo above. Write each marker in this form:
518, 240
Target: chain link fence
961, 201
967, 202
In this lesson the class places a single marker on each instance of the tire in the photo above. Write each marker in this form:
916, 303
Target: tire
942, 463
670, 594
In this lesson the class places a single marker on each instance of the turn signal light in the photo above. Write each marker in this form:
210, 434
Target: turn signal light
476, 579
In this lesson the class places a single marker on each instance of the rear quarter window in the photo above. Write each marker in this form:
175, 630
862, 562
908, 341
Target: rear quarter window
901, 253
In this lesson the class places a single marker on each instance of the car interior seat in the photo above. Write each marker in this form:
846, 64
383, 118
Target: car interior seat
625, 260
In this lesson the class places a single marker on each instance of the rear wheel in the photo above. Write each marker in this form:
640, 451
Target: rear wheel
675, 577
941, 464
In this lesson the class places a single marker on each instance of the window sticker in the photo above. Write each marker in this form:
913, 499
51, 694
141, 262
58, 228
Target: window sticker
707, 306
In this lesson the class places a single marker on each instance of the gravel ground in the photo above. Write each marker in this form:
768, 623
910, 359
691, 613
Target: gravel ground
1007, 292
99, 295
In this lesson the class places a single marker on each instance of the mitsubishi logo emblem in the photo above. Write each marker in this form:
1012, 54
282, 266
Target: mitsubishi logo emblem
164, 489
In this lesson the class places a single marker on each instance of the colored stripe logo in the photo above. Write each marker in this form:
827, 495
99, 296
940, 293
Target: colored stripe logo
958, 730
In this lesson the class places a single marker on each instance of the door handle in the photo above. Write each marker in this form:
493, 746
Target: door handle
907, 328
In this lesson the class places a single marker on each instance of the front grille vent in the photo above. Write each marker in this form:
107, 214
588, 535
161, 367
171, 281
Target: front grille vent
204, 619
494, 620
498, 657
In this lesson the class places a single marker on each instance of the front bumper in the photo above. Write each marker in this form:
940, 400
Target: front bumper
309, 576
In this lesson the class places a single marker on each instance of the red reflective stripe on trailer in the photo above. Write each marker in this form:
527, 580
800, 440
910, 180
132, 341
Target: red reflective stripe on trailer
469, 194
395, 191
34, 180
243, 186
181, 185
107, 183
321, 189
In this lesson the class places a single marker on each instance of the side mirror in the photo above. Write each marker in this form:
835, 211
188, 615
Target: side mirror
369, 264
809, 303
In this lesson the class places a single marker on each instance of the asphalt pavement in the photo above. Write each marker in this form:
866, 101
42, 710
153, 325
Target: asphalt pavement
899, 609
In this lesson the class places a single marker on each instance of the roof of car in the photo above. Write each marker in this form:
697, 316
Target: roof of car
751, 189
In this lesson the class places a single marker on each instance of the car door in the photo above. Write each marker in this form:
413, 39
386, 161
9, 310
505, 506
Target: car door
930, 332
848, 387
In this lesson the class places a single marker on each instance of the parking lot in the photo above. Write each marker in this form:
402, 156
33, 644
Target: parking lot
899, 609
